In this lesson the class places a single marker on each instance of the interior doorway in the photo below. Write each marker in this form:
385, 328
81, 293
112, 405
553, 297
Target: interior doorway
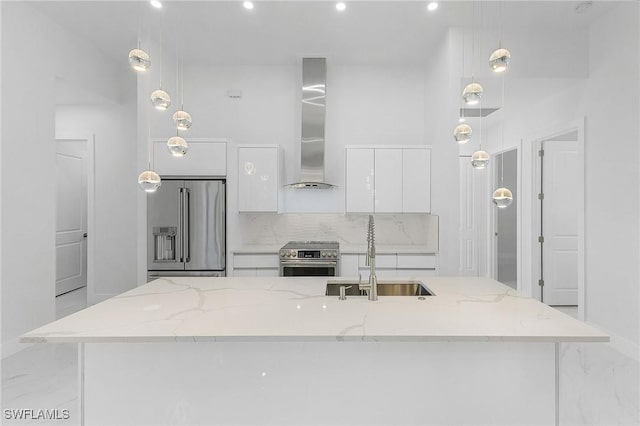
558, 212
506, 219
71, 215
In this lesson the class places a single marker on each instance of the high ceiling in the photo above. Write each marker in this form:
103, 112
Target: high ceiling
280, 32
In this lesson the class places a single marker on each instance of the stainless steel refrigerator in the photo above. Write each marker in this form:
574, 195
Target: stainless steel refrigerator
186, 229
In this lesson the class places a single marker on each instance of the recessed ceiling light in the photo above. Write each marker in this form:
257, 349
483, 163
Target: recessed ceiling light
248, 5
432, 6
156, 3
341, 6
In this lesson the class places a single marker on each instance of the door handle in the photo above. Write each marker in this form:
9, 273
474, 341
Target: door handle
181, 222
187, 228
84, 235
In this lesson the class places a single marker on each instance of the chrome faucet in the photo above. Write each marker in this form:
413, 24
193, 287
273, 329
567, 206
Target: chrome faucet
372, 285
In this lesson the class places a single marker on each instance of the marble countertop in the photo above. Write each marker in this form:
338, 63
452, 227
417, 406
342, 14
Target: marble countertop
347, 249
275, 308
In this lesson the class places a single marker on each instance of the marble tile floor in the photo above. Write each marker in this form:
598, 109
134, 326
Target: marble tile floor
599, 385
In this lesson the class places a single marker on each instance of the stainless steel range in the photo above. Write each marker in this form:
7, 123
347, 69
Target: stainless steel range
310, 259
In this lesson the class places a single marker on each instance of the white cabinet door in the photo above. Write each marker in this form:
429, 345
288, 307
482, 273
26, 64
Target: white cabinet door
416, 180
203, 159
388, 181
359, 180
258, 179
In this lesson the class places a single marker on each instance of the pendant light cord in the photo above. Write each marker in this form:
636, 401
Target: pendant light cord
182, 82
160, 55
461, 101
501, 23
502, 136
149, 145
473, 40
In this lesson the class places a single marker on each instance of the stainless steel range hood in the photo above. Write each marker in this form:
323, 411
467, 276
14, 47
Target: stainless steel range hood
314, 89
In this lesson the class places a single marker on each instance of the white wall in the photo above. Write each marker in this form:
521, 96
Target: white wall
381, 105
35, 54
113, 231
607, 97
440, 115
612, 141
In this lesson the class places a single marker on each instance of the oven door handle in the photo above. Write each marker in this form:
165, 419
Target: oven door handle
307, 264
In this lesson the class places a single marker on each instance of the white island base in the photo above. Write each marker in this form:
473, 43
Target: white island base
319, 383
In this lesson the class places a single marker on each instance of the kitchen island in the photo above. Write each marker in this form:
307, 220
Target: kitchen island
277, 351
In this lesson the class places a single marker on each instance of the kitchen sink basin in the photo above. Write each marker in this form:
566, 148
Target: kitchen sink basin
385, 288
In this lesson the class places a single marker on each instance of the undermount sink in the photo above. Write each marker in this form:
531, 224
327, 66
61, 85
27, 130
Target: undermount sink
385, 288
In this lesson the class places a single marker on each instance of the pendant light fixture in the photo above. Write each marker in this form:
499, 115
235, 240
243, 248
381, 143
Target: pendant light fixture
502, 197
472, 92
181, 118
500, 58
159, 98
463, 132
149, 180
139, 60
480, 158
177, 146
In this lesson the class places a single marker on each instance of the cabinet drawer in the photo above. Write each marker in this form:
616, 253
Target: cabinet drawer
268, 272
417, 261
416, 273
256, 260
382, 261
249, 272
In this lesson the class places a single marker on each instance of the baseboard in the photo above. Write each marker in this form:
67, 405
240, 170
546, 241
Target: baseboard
13, 346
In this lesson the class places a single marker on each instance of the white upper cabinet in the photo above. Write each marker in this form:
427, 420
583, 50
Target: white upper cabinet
388, 180
204, 158
258, 183
359, 180
416, 180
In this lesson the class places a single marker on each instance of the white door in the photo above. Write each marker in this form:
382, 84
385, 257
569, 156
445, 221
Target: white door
560, 223
71, 215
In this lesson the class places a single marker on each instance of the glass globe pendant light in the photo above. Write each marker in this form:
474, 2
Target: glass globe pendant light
462, 133
177, 146
472, 93
139, 60
480, 159
182, 120
160, 99
502, 197
499, 60
149, 181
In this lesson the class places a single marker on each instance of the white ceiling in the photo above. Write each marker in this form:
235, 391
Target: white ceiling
280, 32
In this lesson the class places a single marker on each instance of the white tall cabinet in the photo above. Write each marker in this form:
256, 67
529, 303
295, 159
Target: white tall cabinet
258, 178
388, 179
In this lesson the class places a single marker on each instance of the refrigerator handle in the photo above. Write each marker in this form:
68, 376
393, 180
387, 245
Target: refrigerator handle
181, 222
186, 234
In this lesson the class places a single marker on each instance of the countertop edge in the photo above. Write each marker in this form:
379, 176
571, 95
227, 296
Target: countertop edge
285, 338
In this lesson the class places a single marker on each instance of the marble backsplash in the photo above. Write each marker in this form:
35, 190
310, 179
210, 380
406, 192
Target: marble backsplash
278, 229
